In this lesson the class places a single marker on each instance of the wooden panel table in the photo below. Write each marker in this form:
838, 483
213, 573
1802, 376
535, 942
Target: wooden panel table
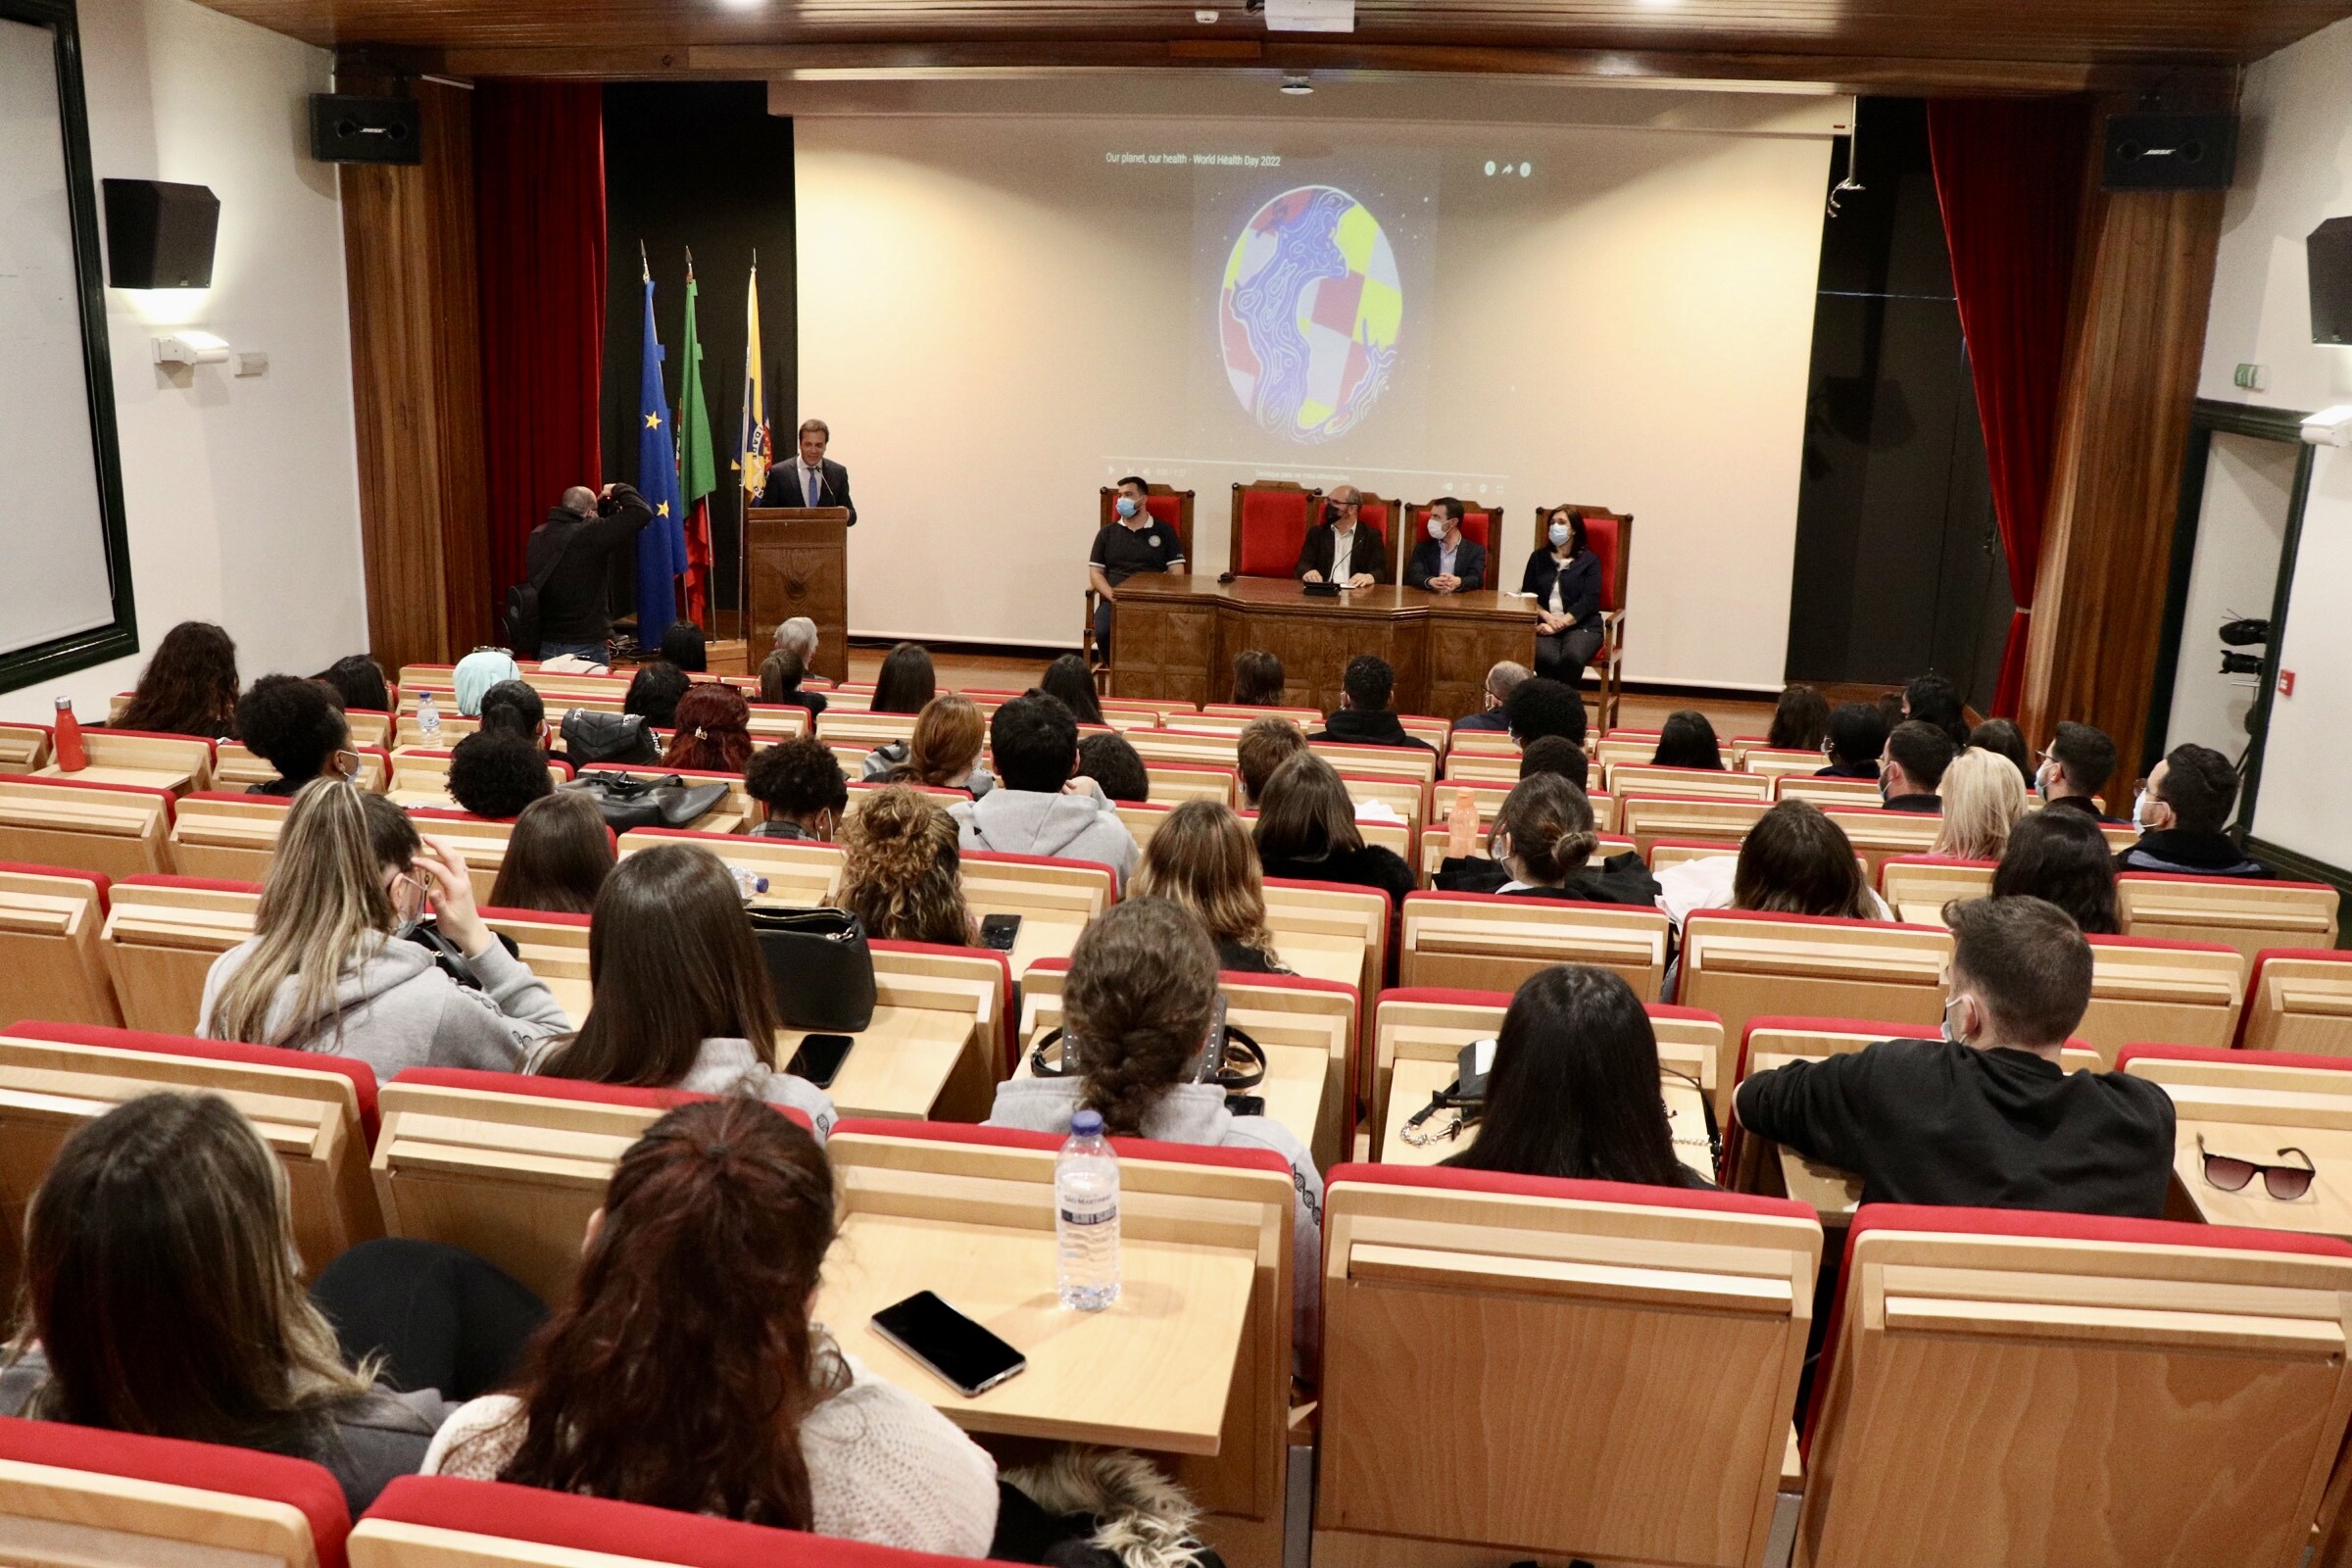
1177, 637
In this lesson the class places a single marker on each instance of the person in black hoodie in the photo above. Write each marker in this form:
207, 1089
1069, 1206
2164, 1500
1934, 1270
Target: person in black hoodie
2179, 815
1363, 717
1541, 846
566, 556
1306, 832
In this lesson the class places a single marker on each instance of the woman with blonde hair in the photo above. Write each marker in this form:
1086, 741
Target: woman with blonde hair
1984, 796
329, 967
162, 1296
1201, 858
901, 874
944, 752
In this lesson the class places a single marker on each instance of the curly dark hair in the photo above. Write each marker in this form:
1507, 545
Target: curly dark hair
716, 1223
714, 730
189, 686
515, 707
902, 874
798, 777
1112, 762
293, 724
1142, 982
654, 691
495, 774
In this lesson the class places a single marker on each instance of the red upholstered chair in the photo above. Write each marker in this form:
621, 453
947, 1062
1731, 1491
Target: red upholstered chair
81, 1496
1984, 1367
1270, 519
1610, 535
490, 1523
1170, 508
1483, 526
1641, 1411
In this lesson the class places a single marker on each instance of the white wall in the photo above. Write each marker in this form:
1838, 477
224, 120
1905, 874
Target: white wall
242, 494
2296, 170
2240, 528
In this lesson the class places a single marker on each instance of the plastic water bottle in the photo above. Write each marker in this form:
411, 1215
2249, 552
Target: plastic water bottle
428, 719
748, 882
1086, 1216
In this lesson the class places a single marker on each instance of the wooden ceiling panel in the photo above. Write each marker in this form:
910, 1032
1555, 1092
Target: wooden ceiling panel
2034, 43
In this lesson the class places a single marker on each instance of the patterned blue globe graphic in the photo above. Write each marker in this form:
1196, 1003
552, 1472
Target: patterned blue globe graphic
1309, 316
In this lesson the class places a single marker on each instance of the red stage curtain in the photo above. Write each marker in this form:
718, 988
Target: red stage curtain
2009, 175
539, 183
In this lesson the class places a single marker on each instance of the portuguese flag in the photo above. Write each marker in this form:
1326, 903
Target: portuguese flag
697, 468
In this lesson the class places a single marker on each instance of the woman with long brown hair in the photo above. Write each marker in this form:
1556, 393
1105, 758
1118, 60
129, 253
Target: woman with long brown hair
1307, 832
944, 752
682, 998
901, 873
685, 1373
714, 730
161, 1297
558, 858
189, 686
1202, 858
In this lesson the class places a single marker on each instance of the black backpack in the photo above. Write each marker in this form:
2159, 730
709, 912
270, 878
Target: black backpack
522, 604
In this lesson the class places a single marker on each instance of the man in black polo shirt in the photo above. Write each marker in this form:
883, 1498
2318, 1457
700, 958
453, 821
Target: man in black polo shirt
1984, 1118
1912, 769
1132, 541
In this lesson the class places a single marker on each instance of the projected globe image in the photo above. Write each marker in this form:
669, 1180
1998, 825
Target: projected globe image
1309, 314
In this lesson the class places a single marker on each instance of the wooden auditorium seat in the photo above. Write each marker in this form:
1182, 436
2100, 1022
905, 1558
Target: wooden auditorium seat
161, 938
939, 1038
52, 962
1772, 762
1403, 796
1174, 783
1331, 931
1308, 1029
1860, 793
1685, 783
176, 764
555, 948
1647, 819
1586, 1371
92, 1498
1740, 963
234, 768
2169, 992
2249, 914
802, 873
1186, 747
861, 792
316, 1110
367, 728
421, 777
1615, 745
1917, 887
862, 729
732, 814
1142, 820
508, 1167
1192, 1367
119, 829
1483, 766
1879, 835
2254, 1104
773, 722
408, 735
1054, 900
2300, 1000
217, 834
1408, 764
1983, 1367
1492, 942
23, 748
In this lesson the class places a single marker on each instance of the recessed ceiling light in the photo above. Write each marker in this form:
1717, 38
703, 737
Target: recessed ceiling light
1297, 86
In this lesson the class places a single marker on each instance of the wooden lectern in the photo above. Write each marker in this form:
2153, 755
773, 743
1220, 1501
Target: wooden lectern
796, 563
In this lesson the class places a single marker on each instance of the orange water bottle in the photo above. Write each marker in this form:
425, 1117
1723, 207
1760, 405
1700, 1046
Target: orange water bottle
71, 755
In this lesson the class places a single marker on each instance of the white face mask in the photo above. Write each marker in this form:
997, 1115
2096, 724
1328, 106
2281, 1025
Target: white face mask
2139, 809
2041, 781
1950, 1033
1559, 534
1437, 528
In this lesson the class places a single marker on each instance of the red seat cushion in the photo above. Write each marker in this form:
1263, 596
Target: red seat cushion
209, 883
2263, 1058
621, 1529
1168, 513
1273, 527
1603, 538
204, 1466
537, 1087
1480, 526
70, 873
1150, 1148
1449, 1179
361, 1076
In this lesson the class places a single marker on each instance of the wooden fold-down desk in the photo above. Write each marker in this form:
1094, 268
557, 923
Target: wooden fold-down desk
1175, 638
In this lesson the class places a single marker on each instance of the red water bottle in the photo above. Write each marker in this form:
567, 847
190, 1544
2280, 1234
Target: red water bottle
70, 755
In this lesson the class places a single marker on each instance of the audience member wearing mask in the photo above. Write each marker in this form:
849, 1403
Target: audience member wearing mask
2180, 816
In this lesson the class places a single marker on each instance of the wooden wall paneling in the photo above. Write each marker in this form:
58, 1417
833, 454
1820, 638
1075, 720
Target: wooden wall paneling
2142, 286
415, 340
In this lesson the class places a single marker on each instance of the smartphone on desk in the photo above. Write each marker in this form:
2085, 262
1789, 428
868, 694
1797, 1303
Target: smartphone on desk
820, 1059
967, 1357
999, 932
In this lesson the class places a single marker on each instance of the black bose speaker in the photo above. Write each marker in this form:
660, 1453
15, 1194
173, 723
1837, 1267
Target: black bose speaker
347, 129
2329, 254
160, 235
2169, 152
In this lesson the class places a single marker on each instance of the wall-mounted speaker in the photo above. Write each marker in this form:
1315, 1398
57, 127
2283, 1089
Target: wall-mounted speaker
347, 129
2169, 152
2329, 252
160, 235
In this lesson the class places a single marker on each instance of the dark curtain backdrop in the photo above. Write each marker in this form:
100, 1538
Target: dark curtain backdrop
539, 162
703, 166
2009, 175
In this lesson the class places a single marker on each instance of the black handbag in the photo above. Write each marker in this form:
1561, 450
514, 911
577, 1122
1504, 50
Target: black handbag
819, 966
666, 802
590, 736
1465, 1096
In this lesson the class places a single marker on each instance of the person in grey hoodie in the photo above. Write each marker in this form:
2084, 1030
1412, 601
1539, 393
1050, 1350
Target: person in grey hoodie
682, 997
1040, 806
1137, 1001
330, 969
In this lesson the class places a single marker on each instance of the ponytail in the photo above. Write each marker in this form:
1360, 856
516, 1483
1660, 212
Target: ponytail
1550, 821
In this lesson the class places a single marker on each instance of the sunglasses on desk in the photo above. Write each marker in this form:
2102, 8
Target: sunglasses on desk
2231, 1174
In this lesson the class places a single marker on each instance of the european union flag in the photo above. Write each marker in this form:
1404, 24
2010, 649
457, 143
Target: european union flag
662, 545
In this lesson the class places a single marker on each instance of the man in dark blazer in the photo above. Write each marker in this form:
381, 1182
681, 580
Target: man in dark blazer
1338, 540
1445, 562
811, 480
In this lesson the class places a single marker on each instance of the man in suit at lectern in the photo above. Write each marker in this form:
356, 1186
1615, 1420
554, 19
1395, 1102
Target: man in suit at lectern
1339, 550
811, 480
